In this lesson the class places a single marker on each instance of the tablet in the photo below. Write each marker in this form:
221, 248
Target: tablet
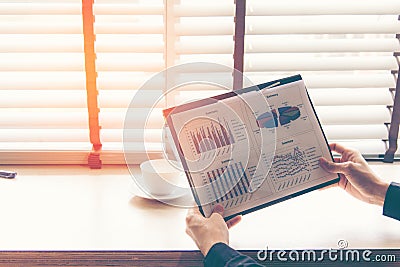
250, 148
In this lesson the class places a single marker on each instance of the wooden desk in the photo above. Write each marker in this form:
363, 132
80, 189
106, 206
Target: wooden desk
152, 259
75, 208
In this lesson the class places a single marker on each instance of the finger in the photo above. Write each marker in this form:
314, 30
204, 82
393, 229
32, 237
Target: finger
194, 211
332, 167
235, 220
219, 209
338, 148
193, 218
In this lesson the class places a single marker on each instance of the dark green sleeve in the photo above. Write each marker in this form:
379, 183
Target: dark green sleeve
222, 255
391, 207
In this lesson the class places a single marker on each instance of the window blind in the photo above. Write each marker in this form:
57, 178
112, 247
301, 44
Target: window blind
343, 49
130, 50
42, 83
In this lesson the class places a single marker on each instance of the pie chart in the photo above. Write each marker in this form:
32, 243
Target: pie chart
270, 119
288, 114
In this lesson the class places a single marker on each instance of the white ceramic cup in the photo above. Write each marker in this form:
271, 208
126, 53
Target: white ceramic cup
160, 177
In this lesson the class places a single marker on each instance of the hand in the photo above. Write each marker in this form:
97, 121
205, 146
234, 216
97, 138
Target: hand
208, 231
356, 177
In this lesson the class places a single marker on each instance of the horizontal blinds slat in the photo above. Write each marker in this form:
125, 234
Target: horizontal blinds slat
128, 28
289, 62
319, 97
41, 43
351, 96
121, 80
330, 79
322, 25
123, 98
366, 147
43, 98
219, 9
44, 135
40, 8
330, 7
129, 43
114, 118
371, 131
128, 9
46, 118
279, 44
128, 24
136, 148
193, 93
129, 18
40, 28
41, 24
278, 62
333, 80
29, 157
288, 25
50, 80
46, 146
263, 44
291, 7
204, 45
353, 114
135, 135
42, 62
223, 59
129, 62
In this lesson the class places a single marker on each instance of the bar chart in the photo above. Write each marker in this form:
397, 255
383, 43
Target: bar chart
211, 135
228, 182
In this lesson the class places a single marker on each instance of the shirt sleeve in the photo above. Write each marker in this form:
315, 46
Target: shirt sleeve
221, 254
391, 207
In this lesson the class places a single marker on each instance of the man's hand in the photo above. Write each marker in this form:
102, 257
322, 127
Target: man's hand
356, 177
208, 231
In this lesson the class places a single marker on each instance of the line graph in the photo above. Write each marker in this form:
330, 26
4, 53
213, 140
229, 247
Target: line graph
290, 164
293, 167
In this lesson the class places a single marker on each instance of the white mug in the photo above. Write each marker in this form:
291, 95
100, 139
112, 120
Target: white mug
160, 176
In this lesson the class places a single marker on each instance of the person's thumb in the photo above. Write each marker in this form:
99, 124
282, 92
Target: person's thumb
219, 209
332, 167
